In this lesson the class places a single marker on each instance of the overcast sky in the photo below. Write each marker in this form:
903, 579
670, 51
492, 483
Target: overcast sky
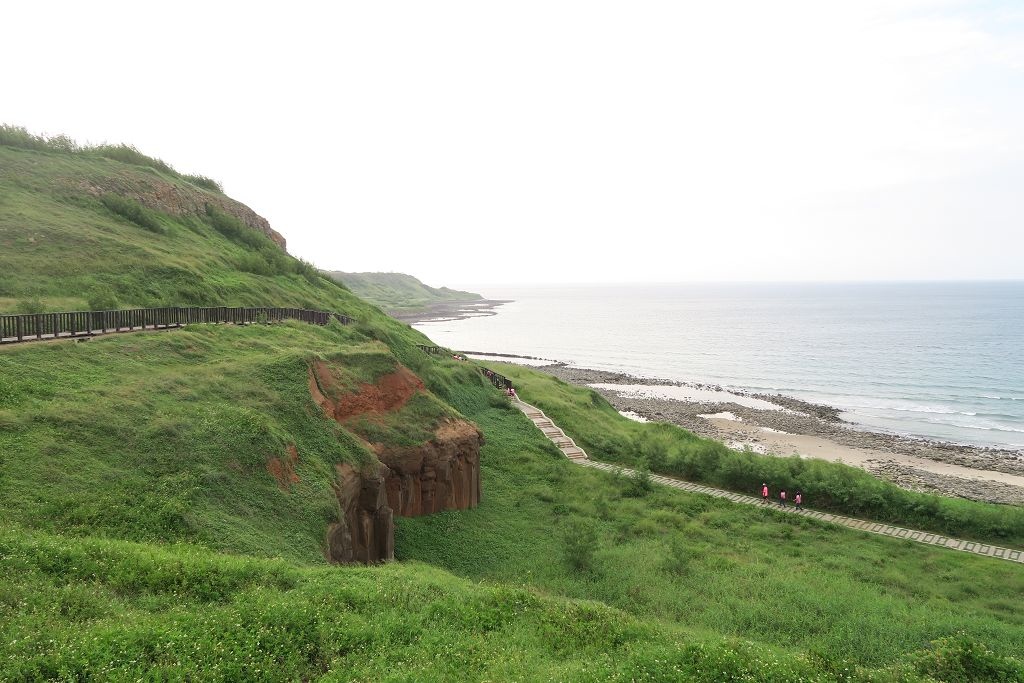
481, 142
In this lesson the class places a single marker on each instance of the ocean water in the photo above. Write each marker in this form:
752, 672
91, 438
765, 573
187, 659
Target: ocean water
942, 361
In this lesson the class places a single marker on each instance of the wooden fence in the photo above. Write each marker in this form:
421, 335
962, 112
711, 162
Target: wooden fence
497, 380
435, 350
38, 326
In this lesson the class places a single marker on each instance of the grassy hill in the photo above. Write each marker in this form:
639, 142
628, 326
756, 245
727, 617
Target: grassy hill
146, 532
398, 291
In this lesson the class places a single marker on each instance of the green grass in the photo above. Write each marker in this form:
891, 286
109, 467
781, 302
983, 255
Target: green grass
59, 243
102, 609
143, 536
710, 565
19, 138
397, 291
163, 437
589, 419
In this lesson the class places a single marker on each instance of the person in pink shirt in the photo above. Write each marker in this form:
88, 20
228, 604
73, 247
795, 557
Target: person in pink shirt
799, 500
764, 493
782, 497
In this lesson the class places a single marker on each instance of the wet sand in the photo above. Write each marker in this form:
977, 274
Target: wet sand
449, 310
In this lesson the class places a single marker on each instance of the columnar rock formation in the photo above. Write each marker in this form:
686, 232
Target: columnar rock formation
366, 531
442, 473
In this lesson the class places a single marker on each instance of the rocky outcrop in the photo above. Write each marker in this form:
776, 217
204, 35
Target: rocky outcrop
389, 393
441, 474
366, 531
177, 199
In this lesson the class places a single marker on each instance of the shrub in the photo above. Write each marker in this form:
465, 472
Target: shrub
959, 659
255, 264
677, 560
103, 298
134, 212
128, 154
234, 229
579, 544
205, 183
640, 483
29, 306
16, 136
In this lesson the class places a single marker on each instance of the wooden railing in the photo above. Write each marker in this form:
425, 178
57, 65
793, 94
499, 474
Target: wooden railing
39, 326
435, 350
497, 380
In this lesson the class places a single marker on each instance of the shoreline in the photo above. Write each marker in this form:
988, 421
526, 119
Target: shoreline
442, 311
792, 426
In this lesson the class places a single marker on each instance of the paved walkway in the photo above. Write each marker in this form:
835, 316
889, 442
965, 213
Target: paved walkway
579, 456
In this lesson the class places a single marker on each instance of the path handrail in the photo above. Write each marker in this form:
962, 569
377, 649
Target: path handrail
39, 326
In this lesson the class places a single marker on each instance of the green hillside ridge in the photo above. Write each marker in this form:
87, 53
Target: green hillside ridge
398, 291
64, 245
145, 535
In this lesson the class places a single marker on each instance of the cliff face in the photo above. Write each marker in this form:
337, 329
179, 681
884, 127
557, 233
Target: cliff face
442, 473
177, 200
366, 531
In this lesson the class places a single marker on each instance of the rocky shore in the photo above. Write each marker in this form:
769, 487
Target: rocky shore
448, 310
810, 429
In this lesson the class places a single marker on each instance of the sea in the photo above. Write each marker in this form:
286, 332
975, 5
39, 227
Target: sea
938, 360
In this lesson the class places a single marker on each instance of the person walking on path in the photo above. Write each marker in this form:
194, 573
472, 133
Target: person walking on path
782, 497
764, 493
799, 500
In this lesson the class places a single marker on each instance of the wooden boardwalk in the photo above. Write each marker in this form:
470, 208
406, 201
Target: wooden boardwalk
579, 456
27, 327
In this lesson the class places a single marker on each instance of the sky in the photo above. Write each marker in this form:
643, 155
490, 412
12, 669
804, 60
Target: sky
555, 142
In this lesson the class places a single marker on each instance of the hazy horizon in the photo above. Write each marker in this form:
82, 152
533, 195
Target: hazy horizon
568, 141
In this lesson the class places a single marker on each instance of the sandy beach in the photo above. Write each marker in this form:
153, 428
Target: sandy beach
786, 426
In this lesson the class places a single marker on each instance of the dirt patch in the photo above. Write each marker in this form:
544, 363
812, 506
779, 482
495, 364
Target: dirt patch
283, 468
390, 393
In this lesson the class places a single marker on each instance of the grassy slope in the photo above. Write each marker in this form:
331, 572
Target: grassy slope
398, 291
708, 564
606, 435
162, 438
59, 244
175, 451
101, 609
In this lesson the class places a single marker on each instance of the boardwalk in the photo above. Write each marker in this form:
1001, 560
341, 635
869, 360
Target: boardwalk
84, 324
579, 456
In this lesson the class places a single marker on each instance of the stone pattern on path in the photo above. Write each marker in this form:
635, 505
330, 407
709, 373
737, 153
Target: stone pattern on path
579, 456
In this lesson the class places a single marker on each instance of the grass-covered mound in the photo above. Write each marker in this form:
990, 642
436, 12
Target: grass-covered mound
595, 424
398, 291
75, 235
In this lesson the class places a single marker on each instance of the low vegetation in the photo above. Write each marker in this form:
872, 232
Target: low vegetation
18, 137
146, 534
134, 212
667, 449
206, 259
842, 597
397, 291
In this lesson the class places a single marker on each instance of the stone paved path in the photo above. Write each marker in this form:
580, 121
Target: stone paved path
579, 456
